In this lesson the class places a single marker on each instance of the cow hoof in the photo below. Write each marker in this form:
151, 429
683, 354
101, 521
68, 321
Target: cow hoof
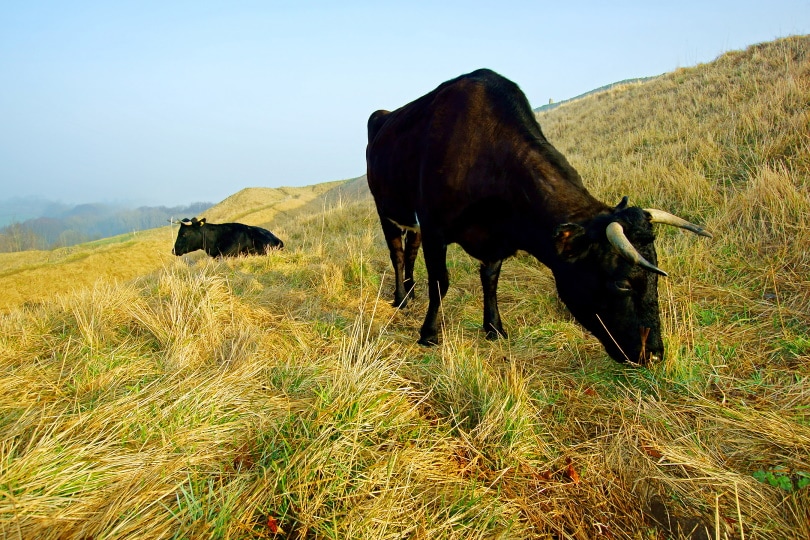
430, 341
400, 304
495, 332
493, 335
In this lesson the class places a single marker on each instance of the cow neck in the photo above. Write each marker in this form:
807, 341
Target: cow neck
205, 229
562, 197
563, 201
558, 199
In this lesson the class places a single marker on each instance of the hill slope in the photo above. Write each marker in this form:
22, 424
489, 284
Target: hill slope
724, 143
281, 396
555, 104
38, 275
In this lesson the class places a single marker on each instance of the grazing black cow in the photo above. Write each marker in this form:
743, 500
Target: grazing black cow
223, 240
467, 163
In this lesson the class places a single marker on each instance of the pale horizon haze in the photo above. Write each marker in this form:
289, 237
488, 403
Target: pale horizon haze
169, 103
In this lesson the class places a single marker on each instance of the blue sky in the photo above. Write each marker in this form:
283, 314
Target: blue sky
176, 102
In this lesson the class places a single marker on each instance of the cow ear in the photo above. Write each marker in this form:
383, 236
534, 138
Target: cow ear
571, 242
201, 222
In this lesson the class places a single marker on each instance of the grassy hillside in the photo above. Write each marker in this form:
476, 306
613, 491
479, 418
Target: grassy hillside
33, 276
554, 104
281, 396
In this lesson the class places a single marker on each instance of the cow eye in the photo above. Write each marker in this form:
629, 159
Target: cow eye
621, 286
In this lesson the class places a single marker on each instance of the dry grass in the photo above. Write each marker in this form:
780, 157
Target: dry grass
281, 396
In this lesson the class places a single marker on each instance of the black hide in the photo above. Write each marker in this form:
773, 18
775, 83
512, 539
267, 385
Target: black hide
468, 164
223, 240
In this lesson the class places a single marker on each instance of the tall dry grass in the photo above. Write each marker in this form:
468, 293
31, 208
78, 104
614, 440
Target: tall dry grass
282, 396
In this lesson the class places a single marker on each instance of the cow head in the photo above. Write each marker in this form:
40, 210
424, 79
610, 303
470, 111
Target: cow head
189, 237
608, 279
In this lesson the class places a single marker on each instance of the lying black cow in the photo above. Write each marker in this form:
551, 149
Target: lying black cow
223, 240
467, 163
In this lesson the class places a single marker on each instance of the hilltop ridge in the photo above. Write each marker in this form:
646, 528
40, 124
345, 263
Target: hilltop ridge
554, 104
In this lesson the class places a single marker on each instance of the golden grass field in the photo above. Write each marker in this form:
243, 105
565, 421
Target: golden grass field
147, 396
37, 275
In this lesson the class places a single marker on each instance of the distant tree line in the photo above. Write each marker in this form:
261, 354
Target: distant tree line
88, 222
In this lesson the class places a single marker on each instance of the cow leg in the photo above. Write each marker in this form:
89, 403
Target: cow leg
393, 237
435, 252
413, 239
490, 272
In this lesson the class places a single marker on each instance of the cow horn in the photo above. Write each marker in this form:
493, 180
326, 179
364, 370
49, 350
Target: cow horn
615, 235
665, 218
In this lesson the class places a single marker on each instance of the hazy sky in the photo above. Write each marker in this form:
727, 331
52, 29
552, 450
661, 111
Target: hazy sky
173, 102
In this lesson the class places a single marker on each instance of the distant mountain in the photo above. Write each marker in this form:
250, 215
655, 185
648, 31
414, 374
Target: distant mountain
32, 223
18, 209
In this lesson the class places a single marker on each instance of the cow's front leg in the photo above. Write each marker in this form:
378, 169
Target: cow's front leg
490, 272
435, 251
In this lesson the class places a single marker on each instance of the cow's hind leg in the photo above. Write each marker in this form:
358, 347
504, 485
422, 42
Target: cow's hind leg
435, 251
393, 237
490, 272
413, 239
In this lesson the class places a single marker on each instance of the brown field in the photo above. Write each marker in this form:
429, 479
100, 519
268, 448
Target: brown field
148, 396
